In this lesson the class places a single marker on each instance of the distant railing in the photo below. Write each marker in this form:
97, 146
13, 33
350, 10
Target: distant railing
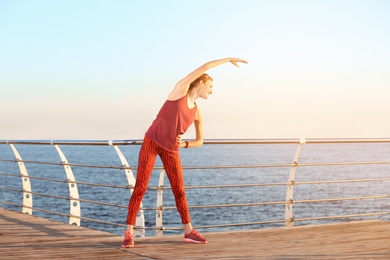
75, 215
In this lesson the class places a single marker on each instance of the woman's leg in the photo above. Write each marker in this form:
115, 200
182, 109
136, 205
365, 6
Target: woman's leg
173, 168
146, 160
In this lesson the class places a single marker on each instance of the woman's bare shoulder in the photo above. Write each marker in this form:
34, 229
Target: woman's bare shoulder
178, 92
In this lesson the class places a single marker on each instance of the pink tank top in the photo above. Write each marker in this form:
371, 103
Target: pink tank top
173, 119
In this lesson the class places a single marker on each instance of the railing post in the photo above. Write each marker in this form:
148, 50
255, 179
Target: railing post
140, 222
26, 185
74, 207
288, 214
159, 205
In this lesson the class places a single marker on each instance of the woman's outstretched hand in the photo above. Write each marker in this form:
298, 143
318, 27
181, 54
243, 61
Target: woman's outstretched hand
235, 61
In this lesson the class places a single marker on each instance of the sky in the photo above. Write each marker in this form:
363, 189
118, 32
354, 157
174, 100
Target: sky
95, 69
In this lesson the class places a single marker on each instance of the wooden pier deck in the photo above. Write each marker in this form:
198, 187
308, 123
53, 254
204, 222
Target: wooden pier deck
29, 237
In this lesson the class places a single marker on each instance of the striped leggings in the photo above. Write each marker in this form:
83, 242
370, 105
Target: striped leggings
173, 168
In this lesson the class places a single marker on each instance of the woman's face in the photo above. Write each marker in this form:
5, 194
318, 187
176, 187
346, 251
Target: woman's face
206, 89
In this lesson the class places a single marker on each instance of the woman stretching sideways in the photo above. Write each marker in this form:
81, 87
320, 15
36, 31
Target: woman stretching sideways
163, 138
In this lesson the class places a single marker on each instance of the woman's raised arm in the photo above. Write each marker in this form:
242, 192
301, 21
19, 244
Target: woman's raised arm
183, 85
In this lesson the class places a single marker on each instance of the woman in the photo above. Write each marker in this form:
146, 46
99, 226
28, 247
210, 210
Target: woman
163, 138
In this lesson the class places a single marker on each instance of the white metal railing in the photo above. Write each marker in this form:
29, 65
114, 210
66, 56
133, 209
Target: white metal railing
75, 215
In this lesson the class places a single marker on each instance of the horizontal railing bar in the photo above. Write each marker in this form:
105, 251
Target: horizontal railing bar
138, 227
63, 197
208, 226
181, 228
36, 209
48, 211
270, 184
228, 205
10, 189
296, 141
340, 163
143, 208
69, 198
88, 219
278, 202
208, 167
10, 203
68, 181
81, 142
345, 140
204, 186
245, 224
226, 225
69, 215
340, 181
206, 206
342, 199
343, 216
82, 218
121, 225
212, 167
41, 194
250, 141
103, 203
224, 186
34, 177
299, 219
139, 142
103, 185
206, 141
149, 188
215, 206
70, 164
102, 222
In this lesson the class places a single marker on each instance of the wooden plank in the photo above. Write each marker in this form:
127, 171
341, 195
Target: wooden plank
29, 237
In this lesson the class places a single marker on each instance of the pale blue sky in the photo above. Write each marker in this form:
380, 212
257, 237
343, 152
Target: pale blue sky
102, 69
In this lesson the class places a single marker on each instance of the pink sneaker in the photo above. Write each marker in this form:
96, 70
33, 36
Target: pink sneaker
128, 241
194, 237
